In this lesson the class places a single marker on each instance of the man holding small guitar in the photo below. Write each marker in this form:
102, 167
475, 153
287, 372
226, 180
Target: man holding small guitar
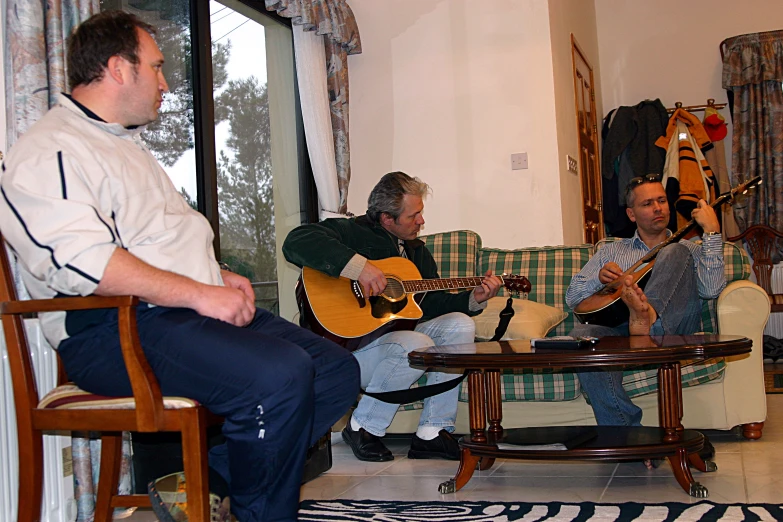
347, 248
669, 304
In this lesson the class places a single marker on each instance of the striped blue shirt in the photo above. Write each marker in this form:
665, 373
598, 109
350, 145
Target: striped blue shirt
708, 266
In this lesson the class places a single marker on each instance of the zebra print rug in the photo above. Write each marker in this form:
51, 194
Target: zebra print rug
386, 511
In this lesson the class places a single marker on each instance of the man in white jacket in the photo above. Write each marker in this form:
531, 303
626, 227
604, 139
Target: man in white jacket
88, 210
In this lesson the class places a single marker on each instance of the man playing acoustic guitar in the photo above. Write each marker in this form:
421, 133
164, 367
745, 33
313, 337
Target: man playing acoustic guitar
347, 247
683, 272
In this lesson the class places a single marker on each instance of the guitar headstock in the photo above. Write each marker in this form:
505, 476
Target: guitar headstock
517, 283
740, 189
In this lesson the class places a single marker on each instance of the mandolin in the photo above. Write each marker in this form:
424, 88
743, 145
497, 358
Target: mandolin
336, 307
605, 307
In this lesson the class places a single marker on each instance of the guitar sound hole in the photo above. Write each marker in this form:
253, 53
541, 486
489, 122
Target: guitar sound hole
394, 289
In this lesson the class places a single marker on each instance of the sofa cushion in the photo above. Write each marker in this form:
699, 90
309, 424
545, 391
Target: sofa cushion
530, 319
549, 270
454, 252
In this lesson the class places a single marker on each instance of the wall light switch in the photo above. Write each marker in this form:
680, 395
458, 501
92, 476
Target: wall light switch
519, 161
571, 164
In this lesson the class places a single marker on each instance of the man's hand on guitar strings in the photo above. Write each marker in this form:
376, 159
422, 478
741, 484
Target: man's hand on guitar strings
372, 279
610, 272
488, 288
705, 216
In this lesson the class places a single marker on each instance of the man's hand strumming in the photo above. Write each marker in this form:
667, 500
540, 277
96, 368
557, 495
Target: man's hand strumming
610, 272
373, 279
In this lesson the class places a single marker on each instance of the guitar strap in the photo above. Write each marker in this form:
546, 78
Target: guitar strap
416, 394
505, 317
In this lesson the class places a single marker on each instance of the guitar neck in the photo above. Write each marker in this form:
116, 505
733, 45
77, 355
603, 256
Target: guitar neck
416, 286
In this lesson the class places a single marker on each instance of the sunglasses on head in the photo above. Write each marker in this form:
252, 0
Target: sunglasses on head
649, 178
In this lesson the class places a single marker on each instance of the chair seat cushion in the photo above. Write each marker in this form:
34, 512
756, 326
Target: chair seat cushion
71, 397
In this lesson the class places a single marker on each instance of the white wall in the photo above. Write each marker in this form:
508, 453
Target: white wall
447, 90
567, 17
669, 49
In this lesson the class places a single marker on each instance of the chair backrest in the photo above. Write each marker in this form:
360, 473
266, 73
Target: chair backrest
762, 243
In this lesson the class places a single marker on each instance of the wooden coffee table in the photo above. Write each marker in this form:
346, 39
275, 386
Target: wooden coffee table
485, 361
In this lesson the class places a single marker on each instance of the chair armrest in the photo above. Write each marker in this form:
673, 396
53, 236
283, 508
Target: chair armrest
146, 390
65, 304
743, 309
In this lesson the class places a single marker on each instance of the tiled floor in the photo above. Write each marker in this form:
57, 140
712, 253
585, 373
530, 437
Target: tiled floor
748, 472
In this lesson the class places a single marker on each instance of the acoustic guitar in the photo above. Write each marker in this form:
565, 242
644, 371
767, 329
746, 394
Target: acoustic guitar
336, 307
605, 307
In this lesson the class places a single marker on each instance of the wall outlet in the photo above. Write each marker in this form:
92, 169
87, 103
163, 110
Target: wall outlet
519, 161
571, 164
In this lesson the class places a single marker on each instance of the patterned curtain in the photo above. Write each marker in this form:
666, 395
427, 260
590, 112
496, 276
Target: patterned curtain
333, 19
35, 74
753, 75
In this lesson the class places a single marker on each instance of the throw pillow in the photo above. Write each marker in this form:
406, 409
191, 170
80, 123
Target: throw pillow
530, 319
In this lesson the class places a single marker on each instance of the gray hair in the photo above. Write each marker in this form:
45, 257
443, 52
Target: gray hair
387, 196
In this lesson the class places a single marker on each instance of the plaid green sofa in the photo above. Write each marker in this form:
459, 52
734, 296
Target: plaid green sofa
550, 269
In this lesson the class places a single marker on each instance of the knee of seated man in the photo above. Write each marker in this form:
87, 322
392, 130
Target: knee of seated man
461, 322
294, 376
410, 341
673, 253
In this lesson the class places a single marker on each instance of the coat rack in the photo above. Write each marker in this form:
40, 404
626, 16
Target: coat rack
696, 108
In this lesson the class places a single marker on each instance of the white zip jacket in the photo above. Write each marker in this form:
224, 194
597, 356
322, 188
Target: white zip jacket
73, 189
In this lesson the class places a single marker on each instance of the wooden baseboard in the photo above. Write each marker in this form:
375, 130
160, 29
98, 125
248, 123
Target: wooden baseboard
773, 377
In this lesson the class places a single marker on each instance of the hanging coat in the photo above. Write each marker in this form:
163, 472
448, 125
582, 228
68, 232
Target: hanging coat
687, 176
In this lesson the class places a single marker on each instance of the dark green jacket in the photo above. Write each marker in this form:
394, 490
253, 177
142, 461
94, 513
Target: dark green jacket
329, 245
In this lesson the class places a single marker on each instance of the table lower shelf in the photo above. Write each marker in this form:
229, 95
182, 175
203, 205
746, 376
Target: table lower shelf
603, 443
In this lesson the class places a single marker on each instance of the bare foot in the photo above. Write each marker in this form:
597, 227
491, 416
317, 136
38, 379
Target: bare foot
642, 315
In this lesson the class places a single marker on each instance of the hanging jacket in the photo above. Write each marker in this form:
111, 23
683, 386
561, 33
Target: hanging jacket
629, 150
687, 176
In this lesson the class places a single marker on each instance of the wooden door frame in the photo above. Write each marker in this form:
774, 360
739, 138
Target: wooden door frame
576, 48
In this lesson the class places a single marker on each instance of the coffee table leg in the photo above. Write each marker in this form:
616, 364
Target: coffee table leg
478, 433
683, 475
476, 406
467, 464
494, 405
670, 401
670, 419
705, 466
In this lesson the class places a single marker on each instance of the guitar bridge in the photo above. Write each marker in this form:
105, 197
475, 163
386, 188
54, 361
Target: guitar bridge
358, 293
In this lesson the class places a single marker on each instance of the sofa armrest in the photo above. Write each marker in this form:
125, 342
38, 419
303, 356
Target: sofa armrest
743, 309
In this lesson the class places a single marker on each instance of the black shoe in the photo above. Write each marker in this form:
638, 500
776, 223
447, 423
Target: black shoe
708, 451
444, 446
365, 445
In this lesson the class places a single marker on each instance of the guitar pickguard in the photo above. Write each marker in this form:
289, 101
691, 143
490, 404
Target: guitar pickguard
382, 307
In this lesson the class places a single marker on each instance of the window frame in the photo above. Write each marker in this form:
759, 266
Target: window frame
204, 123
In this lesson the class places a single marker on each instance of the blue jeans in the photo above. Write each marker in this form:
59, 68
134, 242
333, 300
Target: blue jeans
279, 387
672, 292
384, 367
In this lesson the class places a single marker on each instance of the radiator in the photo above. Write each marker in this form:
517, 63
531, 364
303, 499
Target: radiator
58, 503
775, 323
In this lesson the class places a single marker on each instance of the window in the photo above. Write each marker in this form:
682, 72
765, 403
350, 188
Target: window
229, 132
